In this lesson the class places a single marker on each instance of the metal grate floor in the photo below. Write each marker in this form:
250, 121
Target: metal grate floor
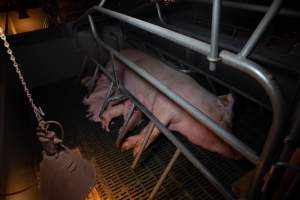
115, 178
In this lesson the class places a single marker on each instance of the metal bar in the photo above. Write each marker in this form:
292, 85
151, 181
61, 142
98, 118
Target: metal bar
170, 136
290, 144
276, 134
213, 58
160, 17
195, 112
191, 43
108, 94
261, 28
251, 7
102, 3
164, 174
137, 158
122, 132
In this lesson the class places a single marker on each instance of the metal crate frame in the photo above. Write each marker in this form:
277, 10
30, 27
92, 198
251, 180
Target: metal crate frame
236, 61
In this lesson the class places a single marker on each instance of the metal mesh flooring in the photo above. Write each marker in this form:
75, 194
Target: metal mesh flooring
115, 178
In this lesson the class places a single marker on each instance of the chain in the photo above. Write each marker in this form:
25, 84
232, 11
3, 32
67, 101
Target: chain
37, 110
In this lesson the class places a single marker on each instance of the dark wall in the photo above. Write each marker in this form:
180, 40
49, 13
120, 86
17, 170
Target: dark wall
48, 55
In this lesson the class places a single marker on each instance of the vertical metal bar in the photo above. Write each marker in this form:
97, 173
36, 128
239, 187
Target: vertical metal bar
148, 134
108, 94
287, 152
123, 128
213, 58
261, 28
116, 81
164, 174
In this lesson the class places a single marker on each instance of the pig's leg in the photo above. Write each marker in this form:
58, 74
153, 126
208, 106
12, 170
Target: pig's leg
136, 141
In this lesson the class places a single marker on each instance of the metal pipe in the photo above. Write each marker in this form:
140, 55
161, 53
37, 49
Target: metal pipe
290, 144
251, 7
102, 3
274, 136
160, 17
213, 57
137, 158
261, 28
164, 174
123, 129
180, 39
195, 112
170, 136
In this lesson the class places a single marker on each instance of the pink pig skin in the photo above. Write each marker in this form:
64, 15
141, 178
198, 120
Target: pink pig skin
172, 116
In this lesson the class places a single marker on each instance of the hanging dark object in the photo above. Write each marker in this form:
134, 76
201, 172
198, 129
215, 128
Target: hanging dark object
64, 175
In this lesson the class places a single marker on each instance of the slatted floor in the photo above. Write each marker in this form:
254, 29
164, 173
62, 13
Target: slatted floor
115, 178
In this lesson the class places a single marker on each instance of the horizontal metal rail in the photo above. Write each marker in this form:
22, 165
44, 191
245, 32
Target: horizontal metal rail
250, 68
251, 7
171, 137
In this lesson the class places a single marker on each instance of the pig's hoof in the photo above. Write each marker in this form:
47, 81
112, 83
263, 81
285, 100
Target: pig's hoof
129, 143
136, 150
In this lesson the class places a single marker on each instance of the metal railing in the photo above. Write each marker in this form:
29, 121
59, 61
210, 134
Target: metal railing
232, 60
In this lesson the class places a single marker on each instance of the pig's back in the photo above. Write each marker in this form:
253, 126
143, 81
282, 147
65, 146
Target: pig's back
180, 83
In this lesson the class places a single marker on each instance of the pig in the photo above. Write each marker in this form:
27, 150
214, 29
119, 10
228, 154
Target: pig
169, 114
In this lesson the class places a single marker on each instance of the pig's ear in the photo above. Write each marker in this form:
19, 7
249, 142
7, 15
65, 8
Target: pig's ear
226, 101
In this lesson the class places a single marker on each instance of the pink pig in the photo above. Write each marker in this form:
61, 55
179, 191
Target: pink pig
172, 116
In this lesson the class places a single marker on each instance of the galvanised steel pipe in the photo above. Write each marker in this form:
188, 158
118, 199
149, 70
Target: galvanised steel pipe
276, 134
213, 58
251, 7
261, 28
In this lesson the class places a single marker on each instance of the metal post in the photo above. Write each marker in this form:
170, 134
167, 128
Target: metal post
164, 174
213, 58
148, 134
123, 129
290, 144
261, 28
108, 94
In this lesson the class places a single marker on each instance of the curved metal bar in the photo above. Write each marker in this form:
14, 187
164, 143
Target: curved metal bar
275, 134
